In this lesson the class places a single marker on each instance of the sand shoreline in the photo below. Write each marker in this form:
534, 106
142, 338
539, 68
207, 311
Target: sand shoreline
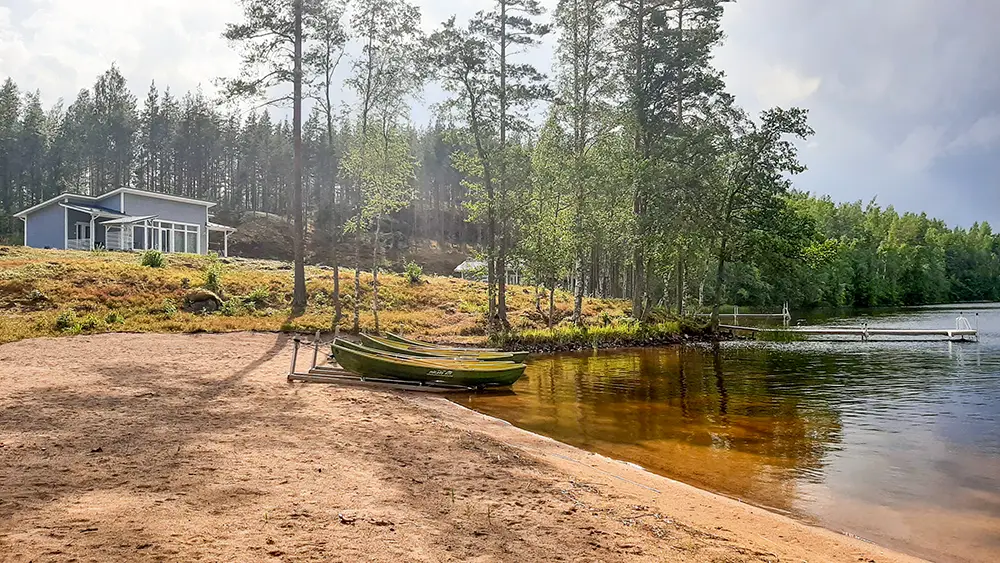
193, 447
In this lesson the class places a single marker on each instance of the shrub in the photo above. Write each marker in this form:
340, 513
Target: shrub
114, 318
232, 307
168, 308
66, 322
604, 318
213, 279
92, 323
153, 259
414, 273
258, 298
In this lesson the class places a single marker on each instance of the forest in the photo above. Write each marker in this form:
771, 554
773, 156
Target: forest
625, 170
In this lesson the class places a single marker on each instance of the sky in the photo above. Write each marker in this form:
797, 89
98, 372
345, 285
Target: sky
904, 95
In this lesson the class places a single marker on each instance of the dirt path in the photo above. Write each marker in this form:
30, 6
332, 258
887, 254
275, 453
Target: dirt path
194, 448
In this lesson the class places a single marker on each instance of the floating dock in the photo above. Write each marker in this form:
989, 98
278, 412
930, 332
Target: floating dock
962, 330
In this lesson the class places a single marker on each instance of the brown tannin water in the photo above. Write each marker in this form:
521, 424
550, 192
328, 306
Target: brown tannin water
896, 441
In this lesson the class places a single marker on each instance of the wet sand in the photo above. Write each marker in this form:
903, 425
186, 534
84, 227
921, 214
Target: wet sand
194, 447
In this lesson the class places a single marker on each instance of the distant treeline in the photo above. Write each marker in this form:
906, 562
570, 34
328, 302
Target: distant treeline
191, 146
865, 256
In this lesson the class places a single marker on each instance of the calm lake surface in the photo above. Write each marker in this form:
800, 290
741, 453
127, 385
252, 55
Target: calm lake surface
895, 441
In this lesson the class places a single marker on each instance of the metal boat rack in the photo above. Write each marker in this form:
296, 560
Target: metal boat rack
332, 373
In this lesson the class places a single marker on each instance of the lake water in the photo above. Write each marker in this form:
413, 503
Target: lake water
895, 441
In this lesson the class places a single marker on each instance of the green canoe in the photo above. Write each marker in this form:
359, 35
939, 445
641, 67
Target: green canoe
421, 351
413, 342
366, 350
427, 370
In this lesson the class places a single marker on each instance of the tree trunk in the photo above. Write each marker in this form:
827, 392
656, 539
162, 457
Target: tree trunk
552, 303
357, 286
502, 288
578, 291
680, 282
638, 285
335, 251
501, 273
299, 293
717, 300
375, 247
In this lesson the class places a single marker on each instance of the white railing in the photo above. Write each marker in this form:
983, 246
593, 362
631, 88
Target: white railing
115, 240
78, 244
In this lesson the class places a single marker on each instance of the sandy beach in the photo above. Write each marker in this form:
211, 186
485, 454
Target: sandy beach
148, 447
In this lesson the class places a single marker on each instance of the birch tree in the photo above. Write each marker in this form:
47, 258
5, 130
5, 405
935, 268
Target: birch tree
493, 90
322, 60
384, 74
585, 92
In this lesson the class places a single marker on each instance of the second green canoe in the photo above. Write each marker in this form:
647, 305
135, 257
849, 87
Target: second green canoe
427, 370
421, 351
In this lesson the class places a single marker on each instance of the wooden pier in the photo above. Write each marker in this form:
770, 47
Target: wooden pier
785, 315
962, 330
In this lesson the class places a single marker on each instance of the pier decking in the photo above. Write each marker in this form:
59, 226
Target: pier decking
961, 331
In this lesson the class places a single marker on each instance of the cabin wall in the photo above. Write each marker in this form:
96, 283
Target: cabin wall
45, 228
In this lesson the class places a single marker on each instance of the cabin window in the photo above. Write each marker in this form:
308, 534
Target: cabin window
175, 237
82, 231
138, 238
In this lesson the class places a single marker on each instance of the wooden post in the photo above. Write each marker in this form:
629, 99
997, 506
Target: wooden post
295, 355
92, 233
225, 243
315, 349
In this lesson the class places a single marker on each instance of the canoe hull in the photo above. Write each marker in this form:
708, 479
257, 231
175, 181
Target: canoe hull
425, 370
412, 342
419, 351
368, 350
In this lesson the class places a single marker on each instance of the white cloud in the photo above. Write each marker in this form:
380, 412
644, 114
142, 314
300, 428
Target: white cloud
918, 151
983, 133
61, 46
781, 86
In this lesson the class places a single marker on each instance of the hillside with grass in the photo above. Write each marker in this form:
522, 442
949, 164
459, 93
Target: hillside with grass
52, 293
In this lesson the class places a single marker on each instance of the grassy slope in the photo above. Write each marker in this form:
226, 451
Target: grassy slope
99, 292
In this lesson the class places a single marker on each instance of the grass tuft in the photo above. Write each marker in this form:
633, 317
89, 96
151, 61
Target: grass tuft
153, 259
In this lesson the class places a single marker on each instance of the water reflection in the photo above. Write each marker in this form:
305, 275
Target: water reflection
897, 441
677, 411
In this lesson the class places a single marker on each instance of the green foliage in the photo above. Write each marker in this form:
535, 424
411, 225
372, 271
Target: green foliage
92, 323
153, 259
259, 298
114, 318
168, 307
232, 307
570, 337
67, 322
414, 273
213, 279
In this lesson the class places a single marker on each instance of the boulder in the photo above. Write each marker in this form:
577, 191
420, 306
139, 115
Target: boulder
201, 301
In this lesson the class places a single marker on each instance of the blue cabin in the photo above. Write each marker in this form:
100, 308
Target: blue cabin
123, 219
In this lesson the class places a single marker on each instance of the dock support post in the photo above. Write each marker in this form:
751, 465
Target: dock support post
295, 355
